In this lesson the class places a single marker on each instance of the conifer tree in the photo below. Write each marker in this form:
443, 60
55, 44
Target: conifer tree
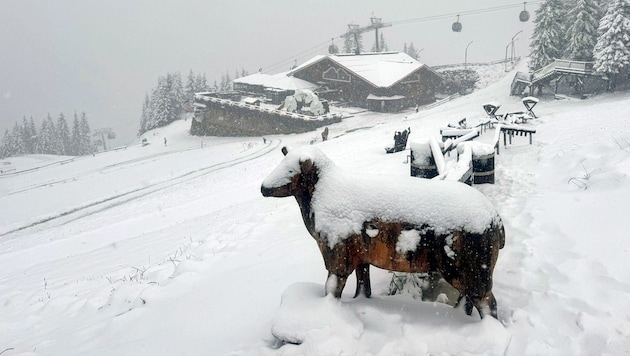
51, 136
176, 95
350, 42
162, 111
548, 38
63, 136
146, 115
27, 137
201, 84
85, 143
190, 86
17, 141
75, 146
382, 46
583, 20
612, 50
5, 145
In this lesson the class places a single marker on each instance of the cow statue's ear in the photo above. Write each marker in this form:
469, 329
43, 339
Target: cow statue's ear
284, 150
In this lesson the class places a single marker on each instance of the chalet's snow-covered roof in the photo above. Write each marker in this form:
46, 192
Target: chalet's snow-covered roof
380, 69
281, 81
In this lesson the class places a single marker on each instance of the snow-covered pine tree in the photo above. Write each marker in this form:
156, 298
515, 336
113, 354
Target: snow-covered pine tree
63, 136
412, 51
75, 146
44, 133
228, 80
382, 46
612, 50
50, 136
178, 98
189, 91
583, 21
201, 83
161, 105
348, 43
146, 115
5, 145
85, 143
17, 143
548, 38
27, 137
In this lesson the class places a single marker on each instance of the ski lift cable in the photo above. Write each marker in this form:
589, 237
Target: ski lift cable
469, 12
313, 49
316, 48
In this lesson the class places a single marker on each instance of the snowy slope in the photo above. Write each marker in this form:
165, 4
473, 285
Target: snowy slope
172, 250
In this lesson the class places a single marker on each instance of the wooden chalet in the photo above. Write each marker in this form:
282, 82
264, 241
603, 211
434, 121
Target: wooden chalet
385, 82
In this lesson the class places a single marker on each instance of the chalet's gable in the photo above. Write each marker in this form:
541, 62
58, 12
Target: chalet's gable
380, 70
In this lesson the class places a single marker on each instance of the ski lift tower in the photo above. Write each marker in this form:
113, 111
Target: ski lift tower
355, 30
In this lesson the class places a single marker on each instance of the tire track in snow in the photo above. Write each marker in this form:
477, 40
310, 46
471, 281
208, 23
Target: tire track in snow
119, 199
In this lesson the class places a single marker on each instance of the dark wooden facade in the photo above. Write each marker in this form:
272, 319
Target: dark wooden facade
341, 84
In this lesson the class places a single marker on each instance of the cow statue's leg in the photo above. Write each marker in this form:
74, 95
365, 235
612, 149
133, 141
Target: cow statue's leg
335, 284
486, 305
363, 280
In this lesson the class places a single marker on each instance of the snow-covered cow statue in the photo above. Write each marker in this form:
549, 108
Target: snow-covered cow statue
401, 224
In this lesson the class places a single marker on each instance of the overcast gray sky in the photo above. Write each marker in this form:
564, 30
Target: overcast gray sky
101, 57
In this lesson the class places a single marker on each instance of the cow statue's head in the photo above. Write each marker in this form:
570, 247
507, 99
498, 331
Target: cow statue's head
295, 173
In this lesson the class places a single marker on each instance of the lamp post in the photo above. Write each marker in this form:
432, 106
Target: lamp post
466, 55
513, 51
511, 43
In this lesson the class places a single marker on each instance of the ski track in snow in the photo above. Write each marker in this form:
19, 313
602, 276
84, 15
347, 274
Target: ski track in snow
115, 200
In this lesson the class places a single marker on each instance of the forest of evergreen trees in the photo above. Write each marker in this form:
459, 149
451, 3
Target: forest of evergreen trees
168, 100
583, 30
54, 137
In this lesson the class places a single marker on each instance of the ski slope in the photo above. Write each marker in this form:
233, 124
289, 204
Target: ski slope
172, 250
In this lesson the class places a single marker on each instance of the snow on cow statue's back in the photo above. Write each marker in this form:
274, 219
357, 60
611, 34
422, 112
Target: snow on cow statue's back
396, 223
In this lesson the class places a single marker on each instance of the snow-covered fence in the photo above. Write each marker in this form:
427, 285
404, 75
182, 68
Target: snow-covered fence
476, 64
395, 223
440, 102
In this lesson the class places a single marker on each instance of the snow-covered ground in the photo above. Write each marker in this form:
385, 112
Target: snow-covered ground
172, 250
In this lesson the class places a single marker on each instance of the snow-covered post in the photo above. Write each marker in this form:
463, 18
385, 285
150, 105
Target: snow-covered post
482, 157
422, 162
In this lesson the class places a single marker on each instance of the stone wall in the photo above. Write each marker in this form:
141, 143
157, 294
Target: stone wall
221, 117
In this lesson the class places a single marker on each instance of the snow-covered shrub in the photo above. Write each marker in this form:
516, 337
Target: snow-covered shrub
460, 81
